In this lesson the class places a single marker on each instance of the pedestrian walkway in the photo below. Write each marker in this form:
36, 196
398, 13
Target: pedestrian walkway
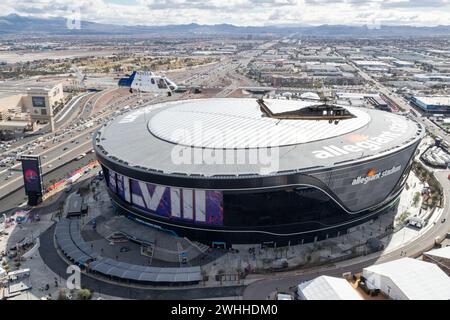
70, 242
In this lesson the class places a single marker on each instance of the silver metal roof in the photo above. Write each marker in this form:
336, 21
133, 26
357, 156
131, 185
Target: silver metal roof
74, 247
238, 123
154, 137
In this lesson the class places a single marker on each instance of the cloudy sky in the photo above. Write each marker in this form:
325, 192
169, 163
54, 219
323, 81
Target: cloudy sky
242, 12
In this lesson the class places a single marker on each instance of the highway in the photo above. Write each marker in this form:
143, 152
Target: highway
12, 201
62, 147
73, 138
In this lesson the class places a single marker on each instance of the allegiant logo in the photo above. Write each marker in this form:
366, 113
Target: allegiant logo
372, 175
397, 129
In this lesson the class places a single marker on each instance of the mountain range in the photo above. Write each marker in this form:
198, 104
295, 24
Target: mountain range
14, 24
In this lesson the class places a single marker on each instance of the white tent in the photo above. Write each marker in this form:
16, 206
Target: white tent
327, 288
409, 279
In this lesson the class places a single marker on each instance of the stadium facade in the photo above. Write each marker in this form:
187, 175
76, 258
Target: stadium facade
219, 171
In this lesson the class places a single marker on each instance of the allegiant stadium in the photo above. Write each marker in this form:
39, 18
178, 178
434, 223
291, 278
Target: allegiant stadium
246, 171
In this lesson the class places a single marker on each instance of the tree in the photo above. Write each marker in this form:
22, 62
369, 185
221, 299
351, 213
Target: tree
84, 294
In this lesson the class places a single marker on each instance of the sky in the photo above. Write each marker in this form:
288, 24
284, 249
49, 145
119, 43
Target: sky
372, 13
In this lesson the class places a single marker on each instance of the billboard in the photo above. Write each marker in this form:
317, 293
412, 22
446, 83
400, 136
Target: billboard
32, 175
185, 205
38, 102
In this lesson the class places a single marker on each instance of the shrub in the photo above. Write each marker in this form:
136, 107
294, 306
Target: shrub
84, 294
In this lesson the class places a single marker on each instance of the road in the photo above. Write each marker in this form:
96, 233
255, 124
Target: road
72, 139
12, 201
69, 142
398, 100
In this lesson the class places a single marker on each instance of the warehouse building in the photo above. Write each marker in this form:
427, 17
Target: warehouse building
26, 106
438, 104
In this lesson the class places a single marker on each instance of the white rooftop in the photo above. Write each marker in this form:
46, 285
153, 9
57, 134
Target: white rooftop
371, 63
440, 100
151, 134
441, 252
310, 95
328, 288
417, 280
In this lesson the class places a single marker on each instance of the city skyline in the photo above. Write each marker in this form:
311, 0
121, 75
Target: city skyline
241, 12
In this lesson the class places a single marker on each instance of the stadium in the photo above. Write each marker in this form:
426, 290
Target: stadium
246, 171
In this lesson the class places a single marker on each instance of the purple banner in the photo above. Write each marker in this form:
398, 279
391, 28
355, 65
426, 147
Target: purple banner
196, 206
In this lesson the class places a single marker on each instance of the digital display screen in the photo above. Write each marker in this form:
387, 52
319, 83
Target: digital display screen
32, 176
188, 205
38, 102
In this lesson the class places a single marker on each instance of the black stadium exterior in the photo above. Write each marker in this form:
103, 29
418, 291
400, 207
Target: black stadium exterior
219, 171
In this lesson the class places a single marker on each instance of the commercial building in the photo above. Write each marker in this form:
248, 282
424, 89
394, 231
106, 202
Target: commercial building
12, 117
224, 171
379, 103
436, 104
42, 102
409, 279
27, 105
327, 288
10, 103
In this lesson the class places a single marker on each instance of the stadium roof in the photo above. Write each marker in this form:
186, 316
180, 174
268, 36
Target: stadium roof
238, 123
328, 288
417, 280
146, 138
